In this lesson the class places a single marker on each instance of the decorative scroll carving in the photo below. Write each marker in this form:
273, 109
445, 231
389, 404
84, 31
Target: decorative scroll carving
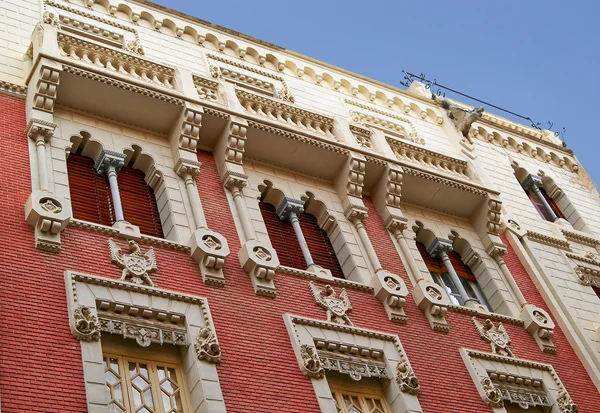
207, 347
336, 307
134, 46
493, 395
291, 115
85, 326
115, 61
429, 159
463, 119
497, 337
134, 265
285, 94
588, 276
207, 89
355, 367
566, 404
406, 379
311, 363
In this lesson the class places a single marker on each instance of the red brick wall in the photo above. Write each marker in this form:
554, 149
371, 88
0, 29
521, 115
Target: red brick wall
40, 362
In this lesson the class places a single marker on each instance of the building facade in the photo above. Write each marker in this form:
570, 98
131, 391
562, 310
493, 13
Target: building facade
200, 221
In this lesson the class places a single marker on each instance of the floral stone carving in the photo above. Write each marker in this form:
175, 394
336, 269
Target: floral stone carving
85, 325
336, 307
492, 393
406, 379
497, 337
134, 264
207, 347
311, 363
565, 403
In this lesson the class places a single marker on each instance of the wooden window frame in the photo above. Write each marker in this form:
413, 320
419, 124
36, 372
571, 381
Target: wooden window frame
339, 393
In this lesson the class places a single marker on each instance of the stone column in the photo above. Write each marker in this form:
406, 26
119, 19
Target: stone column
440, 248
288, 210
188, 170
533, 183
235, 184
41, 132
397, 228
110, 163
498, 255
357, 215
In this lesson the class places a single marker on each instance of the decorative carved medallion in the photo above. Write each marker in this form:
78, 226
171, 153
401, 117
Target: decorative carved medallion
313, 367
207, 347
497, 337
406, 379
86, 325
212, 242
336, 306
134, 264
142, 336
565, 403
262, 253
493, 394
50, 205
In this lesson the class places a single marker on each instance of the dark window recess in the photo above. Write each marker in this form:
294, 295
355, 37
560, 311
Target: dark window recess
596, 290
283, 239
139, 202
90, 194
552, 204
437, 266
539, 206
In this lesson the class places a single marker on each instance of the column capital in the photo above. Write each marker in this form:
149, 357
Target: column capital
37, 128
531, 182
108, 159
187, 167
289, 207
438, 247
234, 180
356, 213
497, 252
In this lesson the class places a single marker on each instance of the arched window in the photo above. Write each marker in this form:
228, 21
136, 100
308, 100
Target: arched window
91, 198
90, 194
283, 239
139, 202
442, 277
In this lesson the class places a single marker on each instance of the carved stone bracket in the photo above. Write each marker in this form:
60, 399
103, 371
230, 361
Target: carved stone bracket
235, 141
391, 290
48, 215
187, 131
539, 324
84, 325
207, 347
311, 363
566, 404
260, 262
492, 394
433, 302
46, 89
406, 379
210, 250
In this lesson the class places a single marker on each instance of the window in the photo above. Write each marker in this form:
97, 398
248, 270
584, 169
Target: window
440, 275
139, 202
596, 290
282, 236
553, 205
364, 396
142, 386
358, 403
90, 194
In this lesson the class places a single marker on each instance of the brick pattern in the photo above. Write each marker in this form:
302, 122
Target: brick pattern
40, 362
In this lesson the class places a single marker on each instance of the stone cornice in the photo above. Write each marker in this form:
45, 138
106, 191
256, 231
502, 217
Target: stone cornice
335, 281
74, 10
491, 316
431, 176
548, 240
582, 259
13, 89
102, 229
580, 238
509, 360
243, 66
344, 328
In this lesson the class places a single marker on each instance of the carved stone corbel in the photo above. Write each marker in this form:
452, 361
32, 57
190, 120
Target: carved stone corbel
565, 403
186, 132
406, 379
84, 324
430, 298
210, 250
207, 347
391, 290
539, 324
311, 364
260, 262
48, 215
350, 180
493, 395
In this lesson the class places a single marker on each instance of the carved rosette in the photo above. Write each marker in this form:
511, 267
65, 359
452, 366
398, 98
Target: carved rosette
311, 364
206, 346
492, 394
406, 379
565, 403
85, 324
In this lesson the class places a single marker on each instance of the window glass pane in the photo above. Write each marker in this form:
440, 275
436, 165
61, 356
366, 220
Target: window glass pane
374, 405
451, 289
352, 404
114, 389
140, 387
170, 392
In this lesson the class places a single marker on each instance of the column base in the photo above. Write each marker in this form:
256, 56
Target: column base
127, 230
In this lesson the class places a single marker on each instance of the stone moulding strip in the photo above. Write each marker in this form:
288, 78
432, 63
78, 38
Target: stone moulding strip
88, 15
245, 67
336, 281
297, 137
580, 238
90, 226
383, 112
510, 360
446, 182
346, 329
123, 85
582, 259
491, 316
13, 89
549, 240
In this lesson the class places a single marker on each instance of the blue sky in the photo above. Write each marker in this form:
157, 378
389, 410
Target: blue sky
537, 58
